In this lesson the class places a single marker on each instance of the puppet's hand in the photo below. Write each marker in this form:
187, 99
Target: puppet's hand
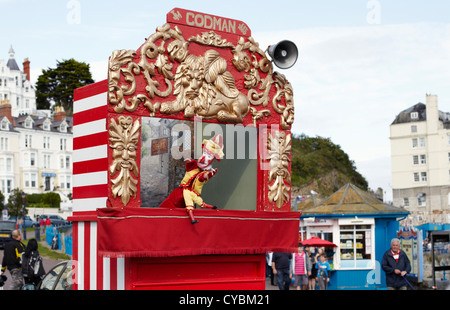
212, 173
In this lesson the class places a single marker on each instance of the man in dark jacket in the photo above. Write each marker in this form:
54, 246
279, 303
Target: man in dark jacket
12, 255
396, 265
280, 267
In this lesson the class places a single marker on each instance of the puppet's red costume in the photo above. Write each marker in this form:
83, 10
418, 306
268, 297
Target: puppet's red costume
197, 174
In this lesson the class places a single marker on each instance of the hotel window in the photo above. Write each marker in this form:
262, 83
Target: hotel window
423, 159
356, 243
414, 143
30, 180
65, 181
423, 176
62, 144
406, 202
47, 160
46, 144
28, 142
416, 177
33, 180
422, 199
416, 159
32, 159
6, 185
3, 144
413, 128
422, 142
414, 115
9, 164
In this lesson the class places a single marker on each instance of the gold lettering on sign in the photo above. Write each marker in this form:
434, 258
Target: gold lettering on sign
211, 22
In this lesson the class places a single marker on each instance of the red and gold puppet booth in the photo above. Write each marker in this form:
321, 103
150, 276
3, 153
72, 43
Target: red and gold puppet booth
138, 138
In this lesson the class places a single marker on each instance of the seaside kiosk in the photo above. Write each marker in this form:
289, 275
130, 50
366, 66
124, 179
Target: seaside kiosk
198, 79
362, 227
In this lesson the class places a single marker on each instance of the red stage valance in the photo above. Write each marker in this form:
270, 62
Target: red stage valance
140, 232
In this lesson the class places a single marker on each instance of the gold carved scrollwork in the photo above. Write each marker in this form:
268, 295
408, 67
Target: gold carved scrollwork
202, 84
279, 149
124, 138
116, 92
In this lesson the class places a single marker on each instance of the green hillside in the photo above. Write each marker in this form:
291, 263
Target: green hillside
320, 165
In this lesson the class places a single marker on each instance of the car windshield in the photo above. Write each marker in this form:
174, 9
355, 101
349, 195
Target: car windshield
7, 226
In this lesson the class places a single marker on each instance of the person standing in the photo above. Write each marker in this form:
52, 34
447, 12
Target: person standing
323, 267
313, 276
280, 267
12, 255
396, 265
301, 268
42, 225
32, 266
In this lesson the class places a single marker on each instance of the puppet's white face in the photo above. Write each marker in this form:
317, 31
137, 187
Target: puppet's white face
205, 161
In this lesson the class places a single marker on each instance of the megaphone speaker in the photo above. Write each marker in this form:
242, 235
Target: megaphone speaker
284, 54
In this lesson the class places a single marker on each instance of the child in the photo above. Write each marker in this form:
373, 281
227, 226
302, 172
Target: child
323, 267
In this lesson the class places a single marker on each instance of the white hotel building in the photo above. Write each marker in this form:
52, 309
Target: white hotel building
35, 148
420, 157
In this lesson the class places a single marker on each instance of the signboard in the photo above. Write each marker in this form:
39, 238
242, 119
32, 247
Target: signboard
411, 244
159, 146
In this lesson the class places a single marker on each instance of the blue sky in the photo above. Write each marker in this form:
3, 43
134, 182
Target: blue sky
361, 61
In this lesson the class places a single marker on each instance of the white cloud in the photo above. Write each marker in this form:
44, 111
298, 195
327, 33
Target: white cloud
99, 70
350, 83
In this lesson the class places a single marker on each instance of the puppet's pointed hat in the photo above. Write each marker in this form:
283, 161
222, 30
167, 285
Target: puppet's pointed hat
215, 146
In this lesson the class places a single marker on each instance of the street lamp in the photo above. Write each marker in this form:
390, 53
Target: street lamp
24, 231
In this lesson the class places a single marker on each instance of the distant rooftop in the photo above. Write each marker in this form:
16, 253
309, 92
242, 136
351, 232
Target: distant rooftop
421, 109
350, 199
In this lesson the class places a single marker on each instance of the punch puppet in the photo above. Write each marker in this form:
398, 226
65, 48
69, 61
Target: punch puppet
198, 172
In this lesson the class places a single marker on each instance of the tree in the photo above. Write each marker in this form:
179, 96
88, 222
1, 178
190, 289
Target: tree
56, 86
318, 158
14, 204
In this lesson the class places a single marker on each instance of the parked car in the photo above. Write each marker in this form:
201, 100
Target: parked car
28, 221
54, 219
6, 229
58, 278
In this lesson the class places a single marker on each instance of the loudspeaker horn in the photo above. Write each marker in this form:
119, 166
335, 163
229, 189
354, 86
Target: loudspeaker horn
284, 54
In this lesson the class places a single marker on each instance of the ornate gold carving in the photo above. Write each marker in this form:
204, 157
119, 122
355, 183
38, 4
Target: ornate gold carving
257, 115
279, 149
124, 138
116, 93
203, 85
211, 38
284, 89
205, 88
